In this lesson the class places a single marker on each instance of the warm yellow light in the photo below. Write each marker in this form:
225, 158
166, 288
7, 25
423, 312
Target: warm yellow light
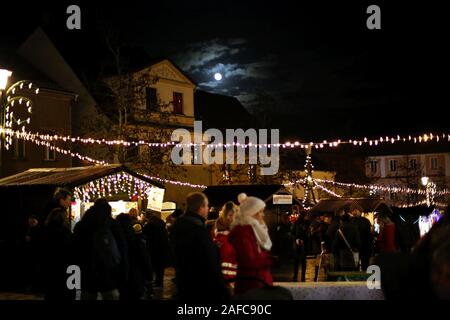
4, 75
425, 180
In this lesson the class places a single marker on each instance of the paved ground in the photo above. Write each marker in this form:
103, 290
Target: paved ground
280, 274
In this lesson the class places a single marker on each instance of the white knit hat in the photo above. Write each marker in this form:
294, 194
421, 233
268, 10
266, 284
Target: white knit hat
249, 206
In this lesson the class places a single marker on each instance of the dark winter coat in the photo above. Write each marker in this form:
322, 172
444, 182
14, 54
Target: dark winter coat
96, 278
197, 261
155, 233
365, 233
57, 256
344, 255
139, 264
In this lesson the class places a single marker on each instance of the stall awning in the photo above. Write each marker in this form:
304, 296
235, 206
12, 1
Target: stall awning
331, 206
69, 177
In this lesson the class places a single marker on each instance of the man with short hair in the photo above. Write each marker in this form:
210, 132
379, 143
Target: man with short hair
197, 261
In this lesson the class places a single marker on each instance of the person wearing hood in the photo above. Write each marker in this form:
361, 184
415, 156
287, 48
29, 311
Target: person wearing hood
250, 239
220, 235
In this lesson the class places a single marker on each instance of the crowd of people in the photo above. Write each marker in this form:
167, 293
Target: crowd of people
228, 257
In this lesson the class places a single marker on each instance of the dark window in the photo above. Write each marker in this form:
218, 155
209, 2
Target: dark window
373, 166
19, 148
413, 164
132, 152
178, 103
393, 165
434, 163
151, 99
49, 152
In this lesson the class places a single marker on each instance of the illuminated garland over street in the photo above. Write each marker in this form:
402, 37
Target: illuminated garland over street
27, 137
374, 187
318, 186
287, 145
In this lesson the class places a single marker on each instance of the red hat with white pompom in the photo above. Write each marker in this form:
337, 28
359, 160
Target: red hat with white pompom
249, 206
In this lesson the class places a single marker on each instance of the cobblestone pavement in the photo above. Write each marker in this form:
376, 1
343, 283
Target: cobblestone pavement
280, 274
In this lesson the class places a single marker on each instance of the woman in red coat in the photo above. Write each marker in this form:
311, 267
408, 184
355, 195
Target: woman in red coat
250, 239
220, 234
386, 237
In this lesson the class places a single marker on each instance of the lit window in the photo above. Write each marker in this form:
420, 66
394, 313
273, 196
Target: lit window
49, 152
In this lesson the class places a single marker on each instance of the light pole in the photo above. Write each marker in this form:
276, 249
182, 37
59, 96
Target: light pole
4, 76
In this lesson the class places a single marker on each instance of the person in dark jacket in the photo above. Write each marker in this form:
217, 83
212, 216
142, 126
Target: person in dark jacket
408, 232
33, 252
197, 260
300, 234
157, 238
101, 250
365, 233
140, 269
347, 233
57, 256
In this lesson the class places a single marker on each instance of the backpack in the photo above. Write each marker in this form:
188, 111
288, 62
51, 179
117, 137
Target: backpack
106, 254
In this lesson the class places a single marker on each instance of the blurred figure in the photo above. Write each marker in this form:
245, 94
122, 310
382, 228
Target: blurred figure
386, 237
197, 262
250, 238
57, 255
365, 233
409, 233
313, 246
346, 242
157, 239
102, 253
140, 269
33, 253
134, 215
220, 237
300, 233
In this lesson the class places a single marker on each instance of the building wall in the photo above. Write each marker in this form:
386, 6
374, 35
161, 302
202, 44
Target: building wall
405, 177
51, 113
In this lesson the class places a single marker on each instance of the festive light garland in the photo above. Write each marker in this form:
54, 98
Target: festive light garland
113, 184
287, 145
326, 190
375, 187
26, 136
13, 102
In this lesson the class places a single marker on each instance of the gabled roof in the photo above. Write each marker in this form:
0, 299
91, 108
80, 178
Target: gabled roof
219, 195
68, 177
221, 112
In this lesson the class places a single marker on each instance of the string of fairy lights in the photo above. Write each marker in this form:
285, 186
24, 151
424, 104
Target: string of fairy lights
424, 138
113, 184
15, 106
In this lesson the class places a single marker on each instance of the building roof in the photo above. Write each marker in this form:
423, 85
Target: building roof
221, 112
68, 177
219, 195
332, 206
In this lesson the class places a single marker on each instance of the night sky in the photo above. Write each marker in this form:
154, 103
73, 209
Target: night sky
314, 71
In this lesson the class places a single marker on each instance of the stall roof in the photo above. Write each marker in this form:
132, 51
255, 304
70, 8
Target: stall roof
364, 204
219, 195
68, 177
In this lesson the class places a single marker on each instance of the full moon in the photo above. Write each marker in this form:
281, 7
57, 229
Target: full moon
218, 76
